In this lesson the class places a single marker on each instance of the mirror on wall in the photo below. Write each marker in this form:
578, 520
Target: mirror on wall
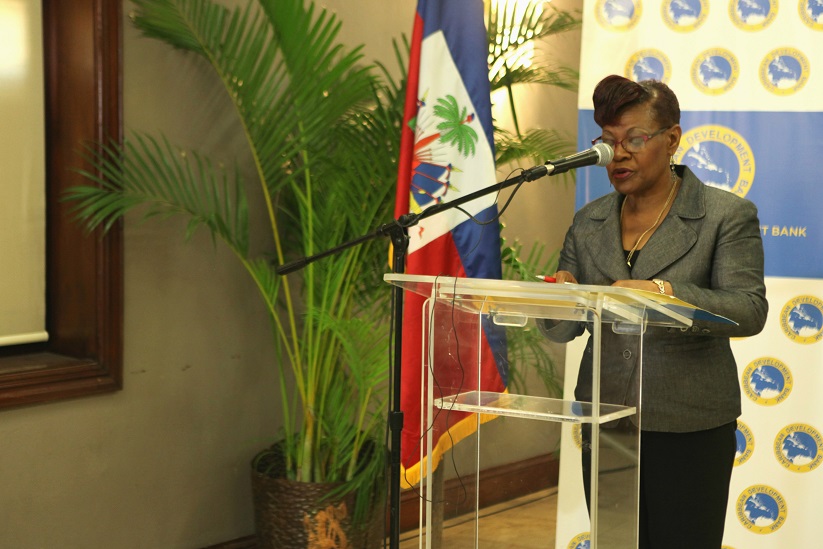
80, 102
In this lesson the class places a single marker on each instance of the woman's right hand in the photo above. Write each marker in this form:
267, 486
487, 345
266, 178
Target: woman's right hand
565, 277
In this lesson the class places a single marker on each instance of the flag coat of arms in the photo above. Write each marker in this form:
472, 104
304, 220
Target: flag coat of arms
447, 152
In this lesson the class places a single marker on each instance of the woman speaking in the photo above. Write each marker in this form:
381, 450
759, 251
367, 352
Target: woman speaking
663, 230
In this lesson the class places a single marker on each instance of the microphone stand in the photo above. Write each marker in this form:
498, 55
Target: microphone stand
397, 231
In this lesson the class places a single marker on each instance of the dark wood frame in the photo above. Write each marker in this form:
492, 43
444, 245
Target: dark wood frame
84, 273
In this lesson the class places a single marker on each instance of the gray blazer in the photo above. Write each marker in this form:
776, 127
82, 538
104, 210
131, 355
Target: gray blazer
709, 248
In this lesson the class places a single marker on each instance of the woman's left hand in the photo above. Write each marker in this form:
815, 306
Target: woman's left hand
647, 285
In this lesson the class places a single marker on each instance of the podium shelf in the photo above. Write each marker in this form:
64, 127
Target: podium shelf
530, 407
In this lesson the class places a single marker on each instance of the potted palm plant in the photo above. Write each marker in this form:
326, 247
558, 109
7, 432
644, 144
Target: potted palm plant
323, 128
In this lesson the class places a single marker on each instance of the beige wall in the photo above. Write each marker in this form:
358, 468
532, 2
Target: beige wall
163, 464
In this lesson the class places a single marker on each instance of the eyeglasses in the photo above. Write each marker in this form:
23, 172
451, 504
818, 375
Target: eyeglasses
633, 143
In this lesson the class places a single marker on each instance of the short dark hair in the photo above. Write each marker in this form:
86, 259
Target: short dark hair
615, 94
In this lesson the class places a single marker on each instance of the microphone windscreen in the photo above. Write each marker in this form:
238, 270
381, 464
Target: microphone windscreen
605, 154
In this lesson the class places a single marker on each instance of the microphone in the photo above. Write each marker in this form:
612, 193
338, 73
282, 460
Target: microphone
599, 155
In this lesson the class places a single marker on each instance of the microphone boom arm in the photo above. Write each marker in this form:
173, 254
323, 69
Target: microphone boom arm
600, 155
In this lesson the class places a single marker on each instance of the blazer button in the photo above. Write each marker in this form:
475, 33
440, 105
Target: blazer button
627, 354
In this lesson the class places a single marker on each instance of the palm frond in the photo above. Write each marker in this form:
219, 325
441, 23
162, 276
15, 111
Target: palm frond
165, 181
559, 77
537, 145
515, 30
171, 22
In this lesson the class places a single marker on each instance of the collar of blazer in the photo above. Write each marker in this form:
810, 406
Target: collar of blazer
671, 241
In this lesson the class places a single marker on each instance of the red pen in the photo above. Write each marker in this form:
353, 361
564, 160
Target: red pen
546, 278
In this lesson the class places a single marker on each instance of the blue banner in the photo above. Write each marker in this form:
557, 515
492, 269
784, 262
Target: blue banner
771, 158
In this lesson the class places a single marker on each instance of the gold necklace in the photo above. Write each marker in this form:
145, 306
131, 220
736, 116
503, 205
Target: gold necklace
656, 221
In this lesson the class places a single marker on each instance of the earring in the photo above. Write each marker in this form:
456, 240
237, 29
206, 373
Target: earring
671, 168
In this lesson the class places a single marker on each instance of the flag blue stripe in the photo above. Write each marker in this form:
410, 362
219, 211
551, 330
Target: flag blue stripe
479, 246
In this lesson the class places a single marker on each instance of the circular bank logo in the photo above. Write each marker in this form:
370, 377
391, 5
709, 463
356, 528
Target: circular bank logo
648, 64
784, 71
715, 71
684, 15
745, 444
618, 15
752, 15
761, 509
811, 12
797, 448
719, 156
580, 541
802, 319
767, 381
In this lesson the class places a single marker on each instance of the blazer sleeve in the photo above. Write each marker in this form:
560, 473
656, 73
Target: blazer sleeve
737, 289
564, 331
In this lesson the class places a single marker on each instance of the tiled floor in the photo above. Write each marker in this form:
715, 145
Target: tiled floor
524, 523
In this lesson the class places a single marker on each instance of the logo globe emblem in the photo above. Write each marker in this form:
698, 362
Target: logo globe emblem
811, 13
580, 541
648, 64
618, 15
715, 71
719, 156
784, 71
798, 448
752, 15
802, 319
767, 381
761, 509
685, 15
745, 444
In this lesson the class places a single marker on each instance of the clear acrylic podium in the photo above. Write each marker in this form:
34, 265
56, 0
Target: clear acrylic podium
460, 315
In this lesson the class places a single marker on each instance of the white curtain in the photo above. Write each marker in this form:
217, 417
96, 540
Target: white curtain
22, 174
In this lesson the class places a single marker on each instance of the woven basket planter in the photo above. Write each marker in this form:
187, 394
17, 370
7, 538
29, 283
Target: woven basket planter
298, 515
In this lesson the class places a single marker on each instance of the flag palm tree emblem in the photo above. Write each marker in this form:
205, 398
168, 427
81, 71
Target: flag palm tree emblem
451, 135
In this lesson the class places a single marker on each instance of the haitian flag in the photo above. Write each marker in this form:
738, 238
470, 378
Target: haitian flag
447, 151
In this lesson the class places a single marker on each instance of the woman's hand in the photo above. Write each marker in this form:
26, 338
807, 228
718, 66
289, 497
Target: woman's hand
563, 277
647, 285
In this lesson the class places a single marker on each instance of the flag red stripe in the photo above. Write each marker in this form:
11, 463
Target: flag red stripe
404, 164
